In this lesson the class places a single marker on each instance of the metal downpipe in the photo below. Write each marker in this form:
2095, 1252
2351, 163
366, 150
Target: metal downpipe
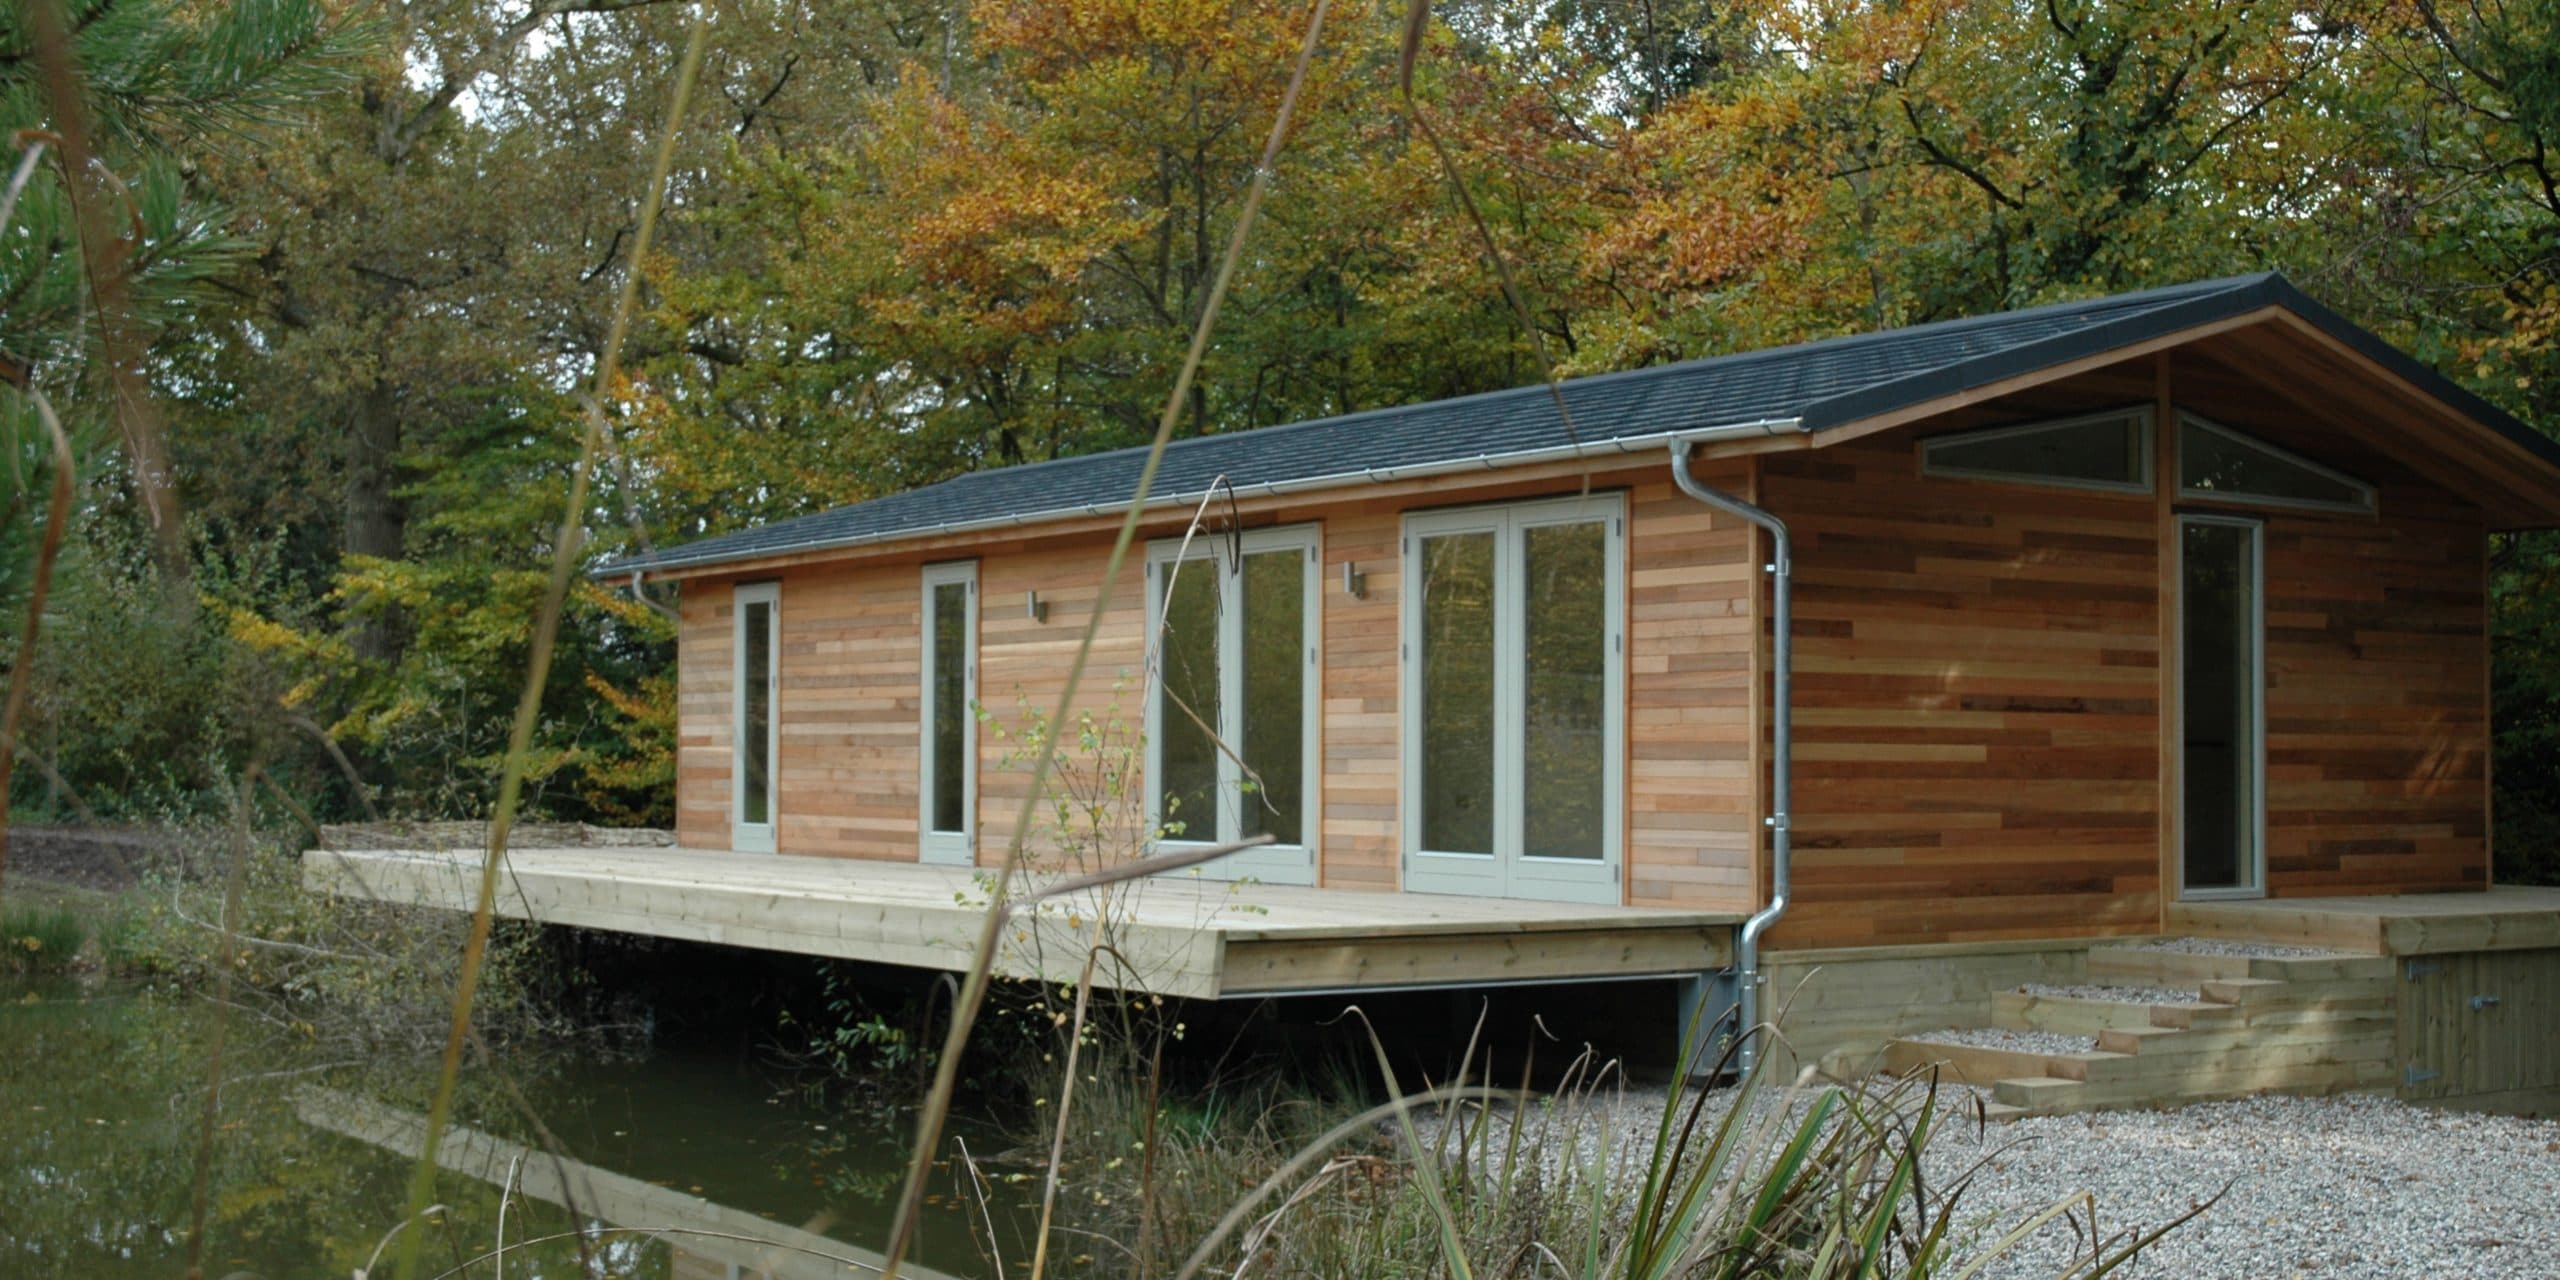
1746, 952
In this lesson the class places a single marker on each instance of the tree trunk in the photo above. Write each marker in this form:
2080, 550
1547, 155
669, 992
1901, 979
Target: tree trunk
377, 522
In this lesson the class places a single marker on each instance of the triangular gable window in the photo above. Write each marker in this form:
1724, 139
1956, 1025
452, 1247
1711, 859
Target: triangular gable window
2216, 462
2100, 451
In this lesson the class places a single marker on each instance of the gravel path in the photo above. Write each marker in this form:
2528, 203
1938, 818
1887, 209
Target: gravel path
2123, 995
2251, 950
2000, 1038
2354, 1187
2350, 1186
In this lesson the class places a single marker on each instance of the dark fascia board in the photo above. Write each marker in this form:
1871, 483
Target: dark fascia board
2244, 294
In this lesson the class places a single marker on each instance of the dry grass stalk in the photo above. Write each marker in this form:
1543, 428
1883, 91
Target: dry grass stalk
937, 1107
235, 879
57, 516
538, 665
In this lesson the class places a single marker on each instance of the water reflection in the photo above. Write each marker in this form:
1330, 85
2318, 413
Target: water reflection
702, 1238
101, 1093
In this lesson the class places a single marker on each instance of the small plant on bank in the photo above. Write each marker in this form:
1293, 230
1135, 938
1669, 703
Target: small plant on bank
37, 939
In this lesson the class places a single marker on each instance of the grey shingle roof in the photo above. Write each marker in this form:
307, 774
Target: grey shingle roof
1811, 385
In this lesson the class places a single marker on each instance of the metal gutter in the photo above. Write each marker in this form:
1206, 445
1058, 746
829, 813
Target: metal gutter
1617, 446
1746, 950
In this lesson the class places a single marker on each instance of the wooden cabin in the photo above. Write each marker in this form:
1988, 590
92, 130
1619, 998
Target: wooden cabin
2104, 614
2099, 607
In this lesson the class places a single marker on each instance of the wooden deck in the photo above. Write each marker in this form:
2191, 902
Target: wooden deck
2504, 918
1171, 935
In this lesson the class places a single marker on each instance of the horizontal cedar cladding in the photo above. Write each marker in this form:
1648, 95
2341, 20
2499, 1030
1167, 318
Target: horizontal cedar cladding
850, 624
2376, 651
1978, 679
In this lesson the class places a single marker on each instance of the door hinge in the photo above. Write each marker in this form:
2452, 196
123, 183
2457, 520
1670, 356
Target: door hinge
2416, 969
2480, 1004
2417, 1075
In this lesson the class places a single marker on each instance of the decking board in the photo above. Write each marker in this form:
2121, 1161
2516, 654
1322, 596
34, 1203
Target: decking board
1180, 935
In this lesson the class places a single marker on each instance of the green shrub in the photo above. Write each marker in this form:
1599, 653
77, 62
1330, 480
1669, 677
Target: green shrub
354, 972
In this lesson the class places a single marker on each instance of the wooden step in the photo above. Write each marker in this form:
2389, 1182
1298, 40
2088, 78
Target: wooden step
2240, 1041
2261, 997
2197, 1016
2039, 1095
1963, 1063
2140, 1039
2322, 968
2231, 1077
2093, 1066
2071, 1015
2152, 967
2247, 991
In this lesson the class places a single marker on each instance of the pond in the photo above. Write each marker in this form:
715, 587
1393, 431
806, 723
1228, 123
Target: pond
101, 1125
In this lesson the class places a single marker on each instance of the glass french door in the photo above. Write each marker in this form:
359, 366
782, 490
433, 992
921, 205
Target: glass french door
2221, 708
948, 781
1232, 709
1515, 696
754, 735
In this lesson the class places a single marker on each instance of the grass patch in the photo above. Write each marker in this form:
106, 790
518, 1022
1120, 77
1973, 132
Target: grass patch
40, 938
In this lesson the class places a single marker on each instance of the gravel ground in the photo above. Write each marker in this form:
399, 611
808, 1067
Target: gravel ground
2252, 950
1998, 1038
2350, 1186
2125, 995
2354, 1187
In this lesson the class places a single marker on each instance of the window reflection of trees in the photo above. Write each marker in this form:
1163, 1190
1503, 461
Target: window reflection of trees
950, 704
1565, 713
755, 729
1187, 751
1273, 737
1262, 763
1457, 693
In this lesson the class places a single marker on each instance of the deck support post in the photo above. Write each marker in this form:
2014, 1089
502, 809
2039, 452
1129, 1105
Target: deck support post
1710, 1013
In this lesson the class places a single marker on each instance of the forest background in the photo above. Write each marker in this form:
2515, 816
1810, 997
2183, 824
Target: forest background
367, 253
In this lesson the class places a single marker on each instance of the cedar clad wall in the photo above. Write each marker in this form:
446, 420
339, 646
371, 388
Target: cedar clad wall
706, 673
2377, 726
1976, 685
1978, 682
1693, 809
2377, 664
850, 690
845, 773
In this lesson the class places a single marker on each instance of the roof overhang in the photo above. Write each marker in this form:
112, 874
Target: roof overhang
1523, 459
2313, 358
